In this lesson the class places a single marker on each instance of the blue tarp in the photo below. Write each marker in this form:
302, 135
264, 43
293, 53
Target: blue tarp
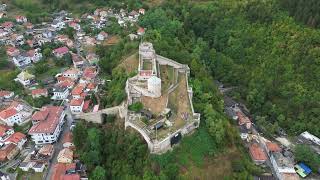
306, 168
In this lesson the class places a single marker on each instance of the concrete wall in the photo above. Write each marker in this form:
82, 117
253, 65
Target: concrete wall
96, 117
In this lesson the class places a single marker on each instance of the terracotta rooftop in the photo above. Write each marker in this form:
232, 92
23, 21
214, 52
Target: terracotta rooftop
46, 150
273, 147
16, 137
40, 115
78, 89
86, 105
242, 118
257, 152
67, 137
4, 151
62, 78
4, 129
71, 177
76, 102
65, 153
71, 71
90, 72
4, 93
39, 91
66, 84
5, 114
49, 125
91, 86
61, 50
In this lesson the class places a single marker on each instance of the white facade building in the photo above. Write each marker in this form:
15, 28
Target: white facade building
48, 125
76, 105
60, 93
10, 117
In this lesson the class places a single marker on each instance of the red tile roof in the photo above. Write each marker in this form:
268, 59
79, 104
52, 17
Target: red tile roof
62, 78
49, 125
39, 91
7, 24
6, 150
67, 137
40, 115
46, 150
90, 72
242, 118
4, 93
273, 147
76, 102
91, 86
86, 105
257, 152
66, 84
59, 170
78, 89
61, 50
71, 177
4, 129
76, 58
5, 114
141, 30
16, 137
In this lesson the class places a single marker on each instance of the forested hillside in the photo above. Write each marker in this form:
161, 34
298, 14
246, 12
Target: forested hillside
253, 45
306, 11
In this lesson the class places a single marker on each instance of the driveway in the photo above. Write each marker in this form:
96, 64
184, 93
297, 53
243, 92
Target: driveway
58, 146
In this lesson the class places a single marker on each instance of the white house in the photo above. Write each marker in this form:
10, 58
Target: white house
21, 19
18, 139
35, 55
21, 60
5, 132
10, 116
76, 105
60, 93
77, 91
71, 73
6, 94
47, 125
25, 78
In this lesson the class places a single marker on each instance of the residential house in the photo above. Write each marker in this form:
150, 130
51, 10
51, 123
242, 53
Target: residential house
63, 171
39, 167
6, 94
47, 126
58, 24
92, 58
257, 154
142, 11
133, 37
8, 152
61, 51
243, 132
60, 93
65, 156
77, 60
141, 31
65, 84
26, 166
62, 79
5, 132
72, 73
74, 25
92, 87
10, 116
272, 147
76, 105
22, 60
46, 150
283, 167
78, 91
12, 51
67, 140
35, 55
89, 41
21, 19
28, 25
89, 74
3, 33
8, 25
25, 78
102, 36
18, 139
133, 15
4, 176
47, 34
243, 120
36, 93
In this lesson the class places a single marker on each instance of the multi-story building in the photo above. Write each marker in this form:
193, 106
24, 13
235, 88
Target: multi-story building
60, 93
47, 124
10, 116
76, 105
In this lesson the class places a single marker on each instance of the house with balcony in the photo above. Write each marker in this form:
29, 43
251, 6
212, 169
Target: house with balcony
47, 124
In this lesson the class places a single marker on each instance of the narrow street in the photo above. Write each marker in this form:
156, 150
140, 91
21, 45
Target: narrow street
59, 144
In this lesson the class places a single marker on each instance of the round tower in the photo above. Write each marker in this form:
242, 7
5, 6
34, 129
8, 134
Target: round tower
154, 86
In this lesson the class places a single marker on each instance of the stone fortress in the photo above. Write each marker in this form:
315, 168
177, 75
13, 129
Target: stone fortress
161, 85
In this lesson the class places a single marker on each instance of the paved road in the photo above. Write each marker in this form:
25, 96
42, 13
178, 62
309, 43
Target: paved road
59, 145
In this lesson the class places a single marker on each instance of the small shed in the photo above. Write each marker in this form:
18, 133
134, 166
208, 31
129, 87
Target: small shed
159, 125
